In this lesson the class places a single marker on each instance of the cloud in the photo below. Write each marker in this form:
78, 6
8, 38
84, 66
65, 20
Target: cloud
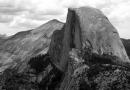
5, 29
119, 15
6, 18
21, 22
28, 14
46, 14
10, 7
30, 11
10, 10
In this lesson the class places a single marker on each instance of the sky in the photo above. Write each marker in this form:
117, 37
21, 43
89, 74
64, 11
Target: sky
21, 15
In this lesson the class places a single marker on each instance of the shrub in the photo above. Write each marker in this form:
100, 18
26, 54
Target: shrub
39, 63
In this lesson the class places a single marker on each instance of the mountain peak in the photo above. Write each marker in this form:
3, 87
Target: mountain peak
49, 26
54, 20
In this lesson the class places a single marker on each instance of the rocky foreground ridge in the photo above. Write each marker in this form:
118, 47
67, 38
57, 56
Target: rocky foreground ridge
85, 53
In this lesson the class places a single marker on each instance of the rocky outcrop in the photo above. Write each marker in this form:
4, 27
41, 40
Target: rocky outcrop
89, 28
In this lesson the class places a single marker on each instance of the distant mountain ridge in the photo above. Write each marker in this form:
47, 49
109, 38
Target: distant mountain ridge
26, 44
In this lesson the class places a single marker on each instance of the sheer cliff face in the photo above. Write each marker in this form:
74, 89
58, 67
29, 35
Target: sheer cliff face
99, 34
89, 28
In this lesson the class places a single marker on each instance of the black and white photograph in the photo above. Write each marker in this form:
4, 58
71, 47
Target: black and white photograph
64, 44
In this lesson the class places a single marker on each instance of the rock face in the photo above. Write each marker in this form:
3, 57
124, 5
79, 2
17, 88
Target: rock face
89, 28
56, 45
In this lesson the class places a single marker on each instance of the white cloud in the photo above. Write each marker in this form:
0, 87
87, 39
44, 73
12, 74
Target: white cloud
6, 18
28, 14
